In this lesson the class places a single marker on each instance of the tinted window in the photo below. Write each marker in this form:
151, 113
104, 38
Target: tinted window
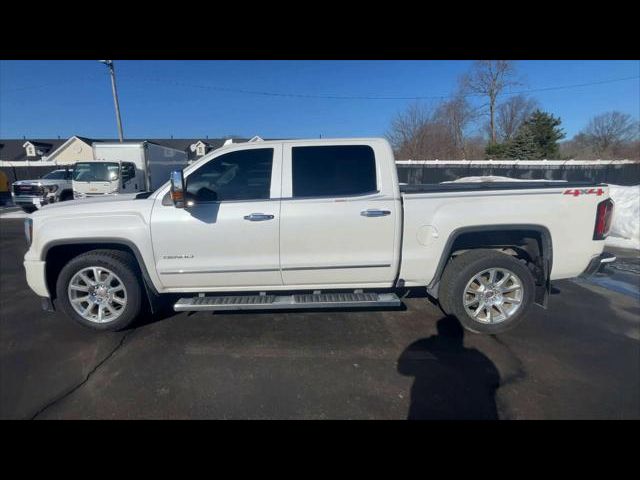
333, 171
57, 175
128, 172
241, 175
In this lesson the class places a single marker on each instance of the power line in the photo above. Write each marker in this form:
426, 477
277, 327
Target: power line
54, 84
330, 97
361, 97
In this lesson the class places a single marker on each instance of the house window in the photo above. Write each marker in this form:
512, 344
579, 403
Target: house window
200, 149
31, 151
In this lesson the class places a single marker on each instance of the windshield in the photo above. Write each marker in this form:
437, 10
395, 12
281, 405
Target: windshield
95, 172
56, 175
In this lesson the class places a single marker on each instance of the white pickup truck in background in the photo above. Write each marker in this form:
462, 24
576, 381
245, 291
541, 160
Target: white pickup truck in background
53, 187
315, 224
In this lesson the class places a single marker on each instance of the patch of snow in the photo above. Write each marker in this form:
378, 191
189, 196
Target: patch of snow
622, 243
625, 226
14, 214
497, 178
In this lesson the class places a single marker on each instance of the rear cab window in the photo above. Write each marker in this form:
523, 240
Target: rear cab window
333, 171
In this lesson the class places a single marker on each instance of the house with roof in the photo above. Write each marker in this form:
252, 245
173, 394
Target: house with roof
23, 150
75, 149
14, 152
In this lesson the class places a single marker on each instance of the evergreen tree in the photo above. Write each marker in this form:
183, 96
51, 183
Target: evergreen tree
536, 139
497, 151
545, 130
524, 146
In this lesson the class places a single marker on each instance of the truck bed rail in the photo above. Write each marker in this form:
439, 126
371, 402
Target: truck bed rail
471, 186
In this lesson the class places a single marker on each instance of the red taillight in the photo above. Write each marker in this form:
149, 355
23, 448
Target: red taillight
603, 219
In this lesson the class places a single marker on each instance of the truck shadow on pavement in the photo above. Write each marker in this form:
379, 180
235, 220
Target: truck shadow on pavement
451, 381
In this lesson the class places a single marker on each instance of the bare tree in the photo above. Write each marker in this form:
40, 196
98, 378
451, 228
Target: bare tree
424, 132
608, 131
511, 114
475, 147
456, 115
404, 129
407, 131
489, 78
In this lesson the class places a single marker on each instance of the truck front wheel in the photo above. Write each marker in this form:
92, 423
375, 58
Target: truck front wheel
66, 195
100, 289
488, 291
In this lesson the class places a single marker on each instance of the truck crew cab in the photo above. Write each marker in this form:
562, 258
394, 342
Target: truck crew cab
315, 224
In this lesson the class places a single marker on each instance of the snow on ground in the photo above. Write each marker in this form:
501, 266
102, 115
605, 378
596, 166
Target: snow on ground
625, 227
12, 213
497, 178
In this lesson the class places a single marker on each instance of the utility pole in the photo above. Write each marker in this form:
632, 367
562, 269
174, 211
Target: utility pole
112, 72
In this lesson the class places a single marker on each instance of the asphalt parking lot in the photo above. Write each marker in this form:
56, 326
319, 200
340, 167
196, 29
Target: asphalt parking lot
579, 359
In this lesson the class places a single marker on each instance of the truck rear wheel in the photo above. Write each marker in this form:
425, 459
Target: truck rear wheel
488, 291
100, 289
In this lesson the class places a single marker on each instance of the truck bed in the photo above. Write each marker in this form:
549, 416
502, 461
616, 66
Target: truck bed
434, 213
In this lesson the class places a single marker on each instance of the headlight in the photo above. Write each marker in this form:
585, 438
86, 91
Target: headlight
28, 230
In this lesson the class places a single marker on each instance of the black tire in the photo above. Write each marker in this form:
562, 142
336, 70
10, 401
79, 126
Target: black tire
124, 266
28, 209
463, 268
66, 195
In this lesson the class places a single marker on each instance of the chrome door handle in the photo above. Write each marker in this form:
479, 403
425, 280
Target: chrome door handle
371, 212
258, 217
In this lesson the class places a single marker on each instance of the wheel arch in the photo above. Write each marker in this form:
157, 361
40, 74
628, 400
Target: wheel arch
57, 253
527, 240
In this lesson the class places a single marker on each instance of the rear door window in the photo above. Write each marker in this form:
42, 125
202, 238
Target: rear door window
333, 171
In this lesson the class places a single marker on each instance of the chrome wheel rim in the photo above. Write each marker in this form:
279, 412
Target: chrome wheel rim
97, 294
493, 295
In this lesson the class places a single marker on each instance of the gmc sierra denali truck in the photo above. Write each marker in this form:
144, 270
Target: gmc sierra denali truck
53, 187
314, 224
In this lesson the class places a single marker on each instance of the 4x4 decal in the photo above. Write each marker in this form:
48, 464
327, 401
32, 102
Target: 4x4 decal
584, 191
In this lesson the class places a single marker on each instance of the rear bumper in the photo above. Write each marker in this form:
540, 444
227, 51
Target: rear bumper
597, 263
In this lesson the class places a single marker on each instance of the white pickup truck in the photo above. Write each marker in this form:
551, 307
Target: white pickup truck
315, 224
53, 187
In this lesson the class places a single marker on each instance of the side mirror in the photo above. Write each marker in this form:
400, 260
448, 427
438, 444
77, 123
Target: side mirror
177, 188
